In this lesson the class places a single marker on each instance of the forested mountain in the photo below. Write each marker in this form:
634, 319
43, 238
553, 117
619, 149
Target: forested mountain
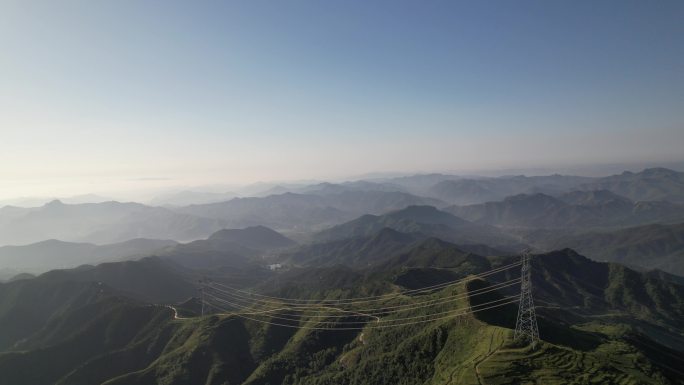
112, 222
258, 238
420, 184
649, 247
426, 220
141, 322
358, 251
377, 250
652, 184
594, 198
341, 192
473, 191
100, 223
91, 332
292, 211
575, 209
28, 305
235, 248
627, 199
655, 184
276, 211
53, 254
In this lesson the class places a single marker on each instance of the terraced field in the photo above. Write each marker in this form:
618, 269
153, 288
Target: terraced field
611, 363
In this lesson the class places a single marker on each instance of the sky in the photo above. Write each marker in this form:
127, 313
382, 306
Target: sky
113, 96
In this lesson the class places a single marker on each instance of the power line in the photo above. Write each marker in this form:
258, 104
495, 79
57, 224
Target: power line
281, 309
375, 310
372, 298
242, 307
372, 326
434, 302
354, 312
378, 320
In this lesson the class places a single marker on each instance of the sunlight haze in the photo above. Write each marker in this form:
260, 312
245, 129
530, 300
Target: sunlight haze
129, 95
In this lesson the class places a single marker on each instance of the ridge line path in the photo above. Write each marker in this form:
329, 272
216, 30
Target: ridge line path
175, 313
490, 353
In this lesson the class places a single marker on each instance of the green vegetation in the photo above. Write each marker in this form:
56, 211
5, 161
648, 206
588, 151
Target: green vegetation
650, 247
425, 220
600, 324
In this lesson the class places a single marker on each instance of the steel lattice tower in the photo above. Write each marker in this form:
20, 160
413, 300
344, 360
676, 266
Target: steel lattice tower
526, 325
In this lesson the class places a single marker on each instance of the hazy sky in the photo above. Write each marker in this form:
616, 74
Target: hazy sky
111, 95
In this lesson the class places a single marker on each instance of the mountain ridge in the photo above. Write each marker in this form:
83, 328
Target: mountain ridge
216, 348
52, 253
545, 211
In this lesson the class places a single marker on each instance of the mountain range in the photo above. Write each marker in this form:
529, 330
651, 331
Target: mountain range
649, 196
187, 197
652, 184
99, 223
360, 251
648, 247
112, 222
235, 248
472, 191
600, 208
53, 254
106, 325
298, 212
424, 220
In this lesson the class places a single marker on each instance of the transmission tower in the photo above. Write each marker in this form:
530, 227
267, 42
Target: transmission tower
526, 325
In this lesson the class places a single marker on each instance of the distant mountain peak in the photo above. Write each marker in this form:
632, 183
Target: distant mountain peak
659, 171
651, 184
54, 242
652, 172
255, 237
